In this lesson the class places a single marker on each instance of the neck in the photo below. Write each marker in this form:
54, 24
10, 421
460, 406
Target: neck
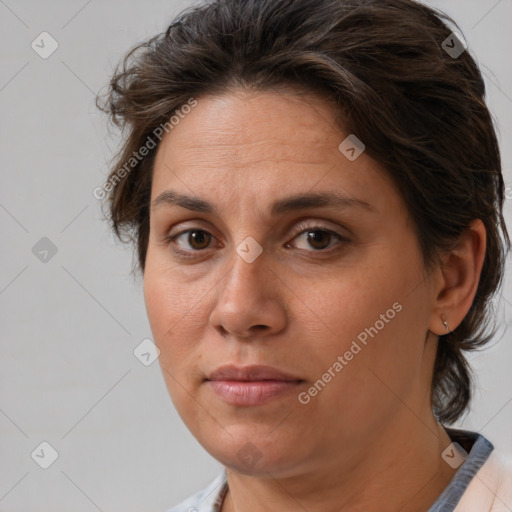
401, 469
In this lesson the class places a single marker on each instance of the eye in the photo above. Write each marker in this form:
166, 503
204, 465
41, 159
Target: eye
319, 238
196, 239
190, 242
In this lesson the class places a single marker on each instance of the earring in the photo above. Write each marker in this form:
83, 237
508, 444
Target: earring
445, 323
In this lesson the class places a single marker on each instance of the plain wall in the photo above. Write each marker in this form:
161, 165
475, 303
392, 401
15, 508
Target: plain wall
69, 325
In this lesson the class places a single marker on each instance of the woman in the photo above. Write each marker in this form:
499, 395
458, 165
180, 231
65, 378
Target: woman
315, 193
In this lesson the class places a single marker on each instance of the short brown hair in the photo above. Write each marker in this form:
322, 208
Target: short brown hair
419, 110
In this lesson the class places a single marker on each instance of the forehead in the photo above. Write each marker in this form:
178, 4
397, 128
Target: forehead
241, 122
264, 143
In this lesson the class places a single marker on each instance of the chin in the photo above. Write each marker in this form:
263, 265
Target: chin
250, 453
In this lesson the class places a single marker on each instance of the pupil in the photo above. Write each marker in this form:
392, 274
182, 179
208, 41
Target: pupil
315, 239
198, 238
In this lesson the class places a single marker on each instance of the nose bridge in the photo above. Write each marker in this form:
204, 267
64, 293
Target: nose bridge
247, 274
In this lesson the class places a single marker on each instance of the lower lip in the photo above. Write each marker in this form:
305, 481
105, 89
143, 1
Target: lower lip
256, 392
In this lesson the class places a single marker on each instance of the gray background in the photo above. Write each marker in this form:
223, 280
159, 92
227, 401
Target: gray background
69, 326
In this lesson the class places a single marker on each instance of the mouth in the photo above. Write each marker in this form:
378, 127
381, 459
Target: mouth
251, 392
251, 385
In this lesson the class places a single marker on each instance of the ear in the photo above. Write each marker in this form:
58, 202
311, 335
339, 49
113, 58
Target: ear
459, 277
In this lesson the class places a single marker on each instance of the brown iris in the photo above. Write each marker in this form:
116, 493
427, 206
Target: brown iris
199, 239
319, 239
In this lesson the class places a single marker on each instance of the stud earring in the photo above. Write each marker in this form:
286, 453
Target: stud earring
445, 323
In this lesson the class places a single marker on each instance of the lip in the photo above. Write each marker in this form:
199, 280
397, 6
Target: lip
251, 385
250, 373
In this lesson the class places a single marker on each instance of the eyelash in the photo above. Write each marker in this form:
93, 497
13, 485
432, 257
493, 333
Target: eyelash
170, 240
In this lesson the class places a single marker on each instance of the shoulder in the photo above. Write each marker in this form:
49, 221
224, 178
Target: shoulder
491, 487
205, 500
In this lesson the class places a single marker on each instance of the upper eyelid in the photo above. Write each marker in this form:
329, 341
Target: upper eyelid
303, 222
301, 226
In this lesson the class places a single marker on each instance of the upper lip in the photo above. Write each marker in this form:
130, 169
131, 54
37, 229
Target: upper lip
250, 373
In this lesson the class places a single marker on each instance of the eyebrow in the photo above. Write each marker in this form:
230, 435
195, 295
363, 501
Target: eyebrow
287, 204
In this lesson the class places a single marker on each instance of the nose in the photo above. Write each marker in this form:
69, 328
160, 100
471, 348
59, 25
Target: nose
249, 301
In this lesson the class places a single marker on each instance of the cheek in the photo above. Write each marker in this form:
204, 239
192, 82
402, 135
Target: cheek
375, 315
354, 300
161, 305
173, 317
171, 310
366, 387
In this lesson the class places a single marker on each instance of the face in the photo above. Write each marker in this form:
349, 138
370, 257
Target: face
318, 305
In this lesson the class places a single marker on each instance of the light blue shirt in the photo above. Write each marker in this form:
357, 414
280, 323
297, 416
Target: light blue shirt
476, 445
